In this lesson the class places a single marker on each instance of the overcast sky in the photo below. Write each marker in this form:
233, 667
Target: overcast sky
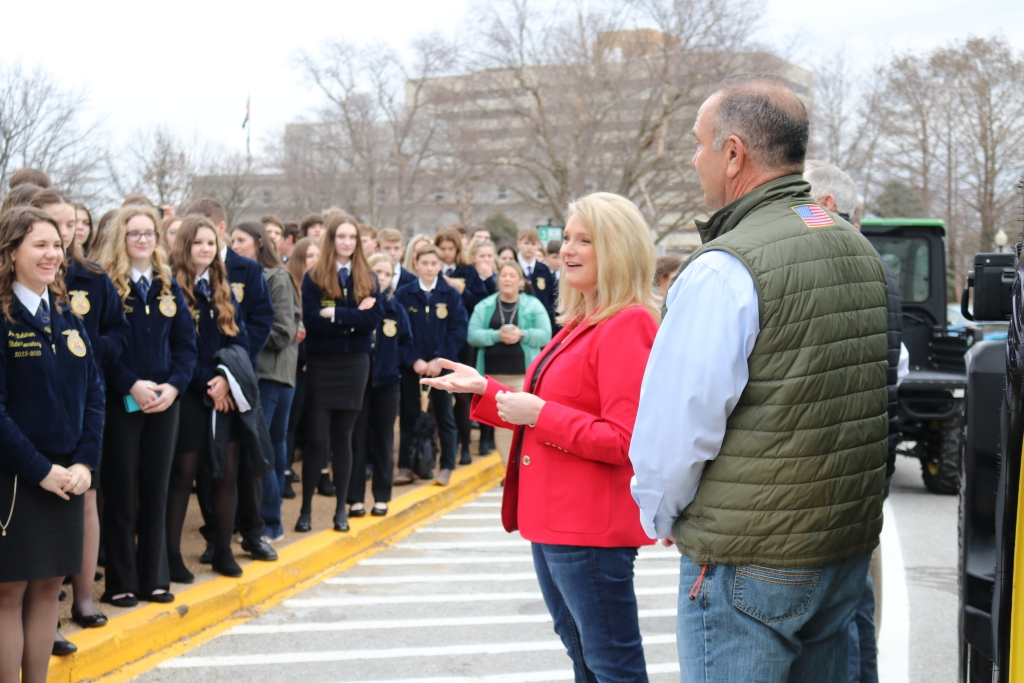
191, 64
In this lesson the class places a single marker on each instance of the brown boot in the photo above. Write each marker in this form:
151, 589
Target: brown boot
404, 476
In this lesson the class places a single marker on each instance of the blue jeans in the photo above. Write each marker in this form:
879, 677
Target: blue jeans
765, 624
589, 593
863, 648
276, 399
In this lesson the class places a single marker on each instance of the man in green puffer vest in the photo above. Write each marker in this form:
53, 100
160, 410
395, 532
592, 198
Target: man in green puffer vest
760, 443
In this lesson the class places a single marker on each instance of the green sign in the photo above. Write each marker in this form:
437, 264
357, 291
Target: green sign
548, 233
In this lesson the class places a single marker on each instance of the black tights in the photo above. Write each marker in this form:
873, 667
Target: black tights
224, 498
328, 428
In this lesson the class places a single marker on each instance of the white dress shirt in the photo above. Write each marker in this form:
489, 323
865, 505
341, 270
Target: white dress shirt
148, 274
29, 299
431, 288
694, 378
526, 266
204, 276
348, 271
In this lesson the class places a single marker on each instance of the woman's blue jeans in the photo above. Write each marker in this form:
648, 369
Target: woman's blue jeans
276, 399
589, 592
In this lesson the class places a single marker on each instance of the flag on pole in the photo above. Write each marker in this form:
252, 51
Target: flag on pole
247, 127
246, 121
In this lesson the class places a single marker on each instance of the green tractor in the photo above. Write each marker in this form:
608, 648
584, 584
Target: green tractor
931, 397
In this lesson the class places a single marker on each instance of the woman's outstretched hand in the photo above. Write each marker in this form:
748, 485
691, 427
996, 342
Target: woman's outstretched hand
462, 379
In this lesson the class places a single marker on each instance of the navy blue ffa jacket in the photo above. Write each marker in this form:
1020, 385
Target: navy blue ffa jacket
251, 292
475, 287
491, 284
438, 323
352, 329
51, 397
543, 282
210, 340
162, 346
404, 278
393, 347
94, 298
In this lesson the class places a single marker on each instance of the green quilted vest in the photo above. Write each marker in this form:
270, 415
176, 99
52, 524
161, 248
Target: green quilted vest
798, 481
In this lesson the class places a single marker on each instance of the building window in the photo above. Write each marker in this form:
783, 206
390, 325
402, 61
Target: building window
266, 197
439, 196
502, 193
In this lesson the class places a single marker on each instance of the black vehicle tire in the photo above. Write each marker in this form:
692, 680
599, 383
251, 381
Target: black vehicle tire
943, 477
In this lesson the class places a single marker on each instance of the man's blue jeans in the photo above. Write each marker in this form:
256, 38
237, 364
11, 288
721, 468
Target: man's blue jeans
589, 593
863, 648
276, 399
765, 624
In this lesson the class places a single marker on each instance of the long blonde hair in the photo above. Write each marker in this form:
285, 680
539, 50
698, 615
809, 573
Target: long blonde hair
410, 251
114, 254
625, 260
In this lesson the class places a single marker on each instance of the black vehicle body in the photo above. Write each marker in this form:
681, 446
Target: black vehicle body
931, 396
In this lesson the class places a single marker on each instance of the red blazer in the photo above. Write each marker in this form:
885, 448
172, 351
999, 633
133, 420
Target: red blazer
569, 483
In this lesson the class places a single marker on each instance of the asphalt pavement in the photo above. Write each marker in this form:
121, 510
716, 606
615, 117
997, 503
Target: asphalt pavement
457, 602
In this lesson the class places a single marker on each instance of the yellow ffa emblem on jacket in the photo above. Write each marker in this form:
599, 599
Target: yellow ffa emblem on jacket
328, 303
238, 289
76, 344
167, 306
390, 328
541, 285
442, 311
80, 302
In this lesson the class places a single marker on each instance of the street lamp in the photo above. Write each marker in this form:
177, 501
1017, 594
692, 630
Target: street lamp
1000, 239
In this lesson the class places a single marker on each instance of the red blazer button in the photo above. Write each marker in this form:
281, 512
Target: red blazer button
526, 460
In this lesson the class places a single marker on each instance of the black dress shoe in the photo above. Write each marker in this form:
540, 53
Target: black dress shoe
292, 478
466, 458
324, 487
225, 565
304, 524
340, 522
260, 550
89, 620
379, 512
128, 600
63, 648
179, 572
159, 597
358, 512
207, 556
288, 492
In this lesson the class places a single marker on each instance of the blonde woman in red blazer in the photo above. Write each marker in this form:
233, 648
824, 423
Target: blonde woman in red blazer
567, 484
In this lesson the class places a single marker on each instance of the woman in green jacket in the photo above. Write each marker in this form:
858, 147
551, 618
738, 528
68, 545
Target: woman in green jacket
509, 328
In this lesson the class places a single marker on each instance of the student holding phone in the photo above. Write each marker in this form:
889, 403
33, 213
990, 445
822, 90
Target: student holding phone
142, 410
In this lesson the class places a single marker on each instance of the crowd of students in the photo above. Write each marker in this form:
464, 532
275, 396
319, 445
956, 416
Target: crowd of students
187, 355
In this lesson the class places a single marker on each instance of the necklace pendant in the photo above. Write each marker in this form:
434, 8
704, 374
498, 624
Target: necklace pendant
4, 533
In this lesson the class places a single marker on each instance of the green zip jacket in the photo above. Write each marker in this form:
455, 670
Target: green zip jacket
533, 321
798, 480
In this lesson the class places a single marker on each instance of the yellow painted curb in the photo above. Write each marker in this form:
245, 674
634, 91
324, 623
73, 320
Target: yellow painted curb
145, 631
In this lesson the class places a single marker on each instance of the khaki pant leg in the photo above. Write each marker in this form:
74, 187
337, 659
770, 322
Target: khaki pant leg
503, 437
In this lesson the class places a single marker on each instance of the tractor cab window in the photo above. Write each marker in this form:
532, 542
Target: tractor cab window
909, 259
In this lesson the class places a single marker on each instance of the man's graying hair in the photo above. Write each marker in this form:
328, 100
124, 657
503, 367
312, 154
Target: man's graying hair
828, 179
764, 112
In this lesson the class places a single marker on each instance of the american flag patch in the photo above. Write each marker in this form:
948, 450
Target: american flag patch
813, 215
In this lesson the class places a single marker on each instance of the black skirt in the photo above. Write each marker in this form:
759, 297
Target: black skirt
45, 534
336, 381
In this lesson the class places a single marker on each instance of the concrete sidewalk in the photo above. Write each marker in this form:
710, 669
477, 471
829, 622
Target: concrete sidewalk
138, 640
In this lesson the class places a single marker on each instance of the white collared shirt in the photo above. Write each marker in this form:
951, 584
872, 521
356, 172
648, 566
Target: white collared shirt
204, 276
347, 267
29, 299
527, 267
148, 274
449, 270
224, 253
432, 286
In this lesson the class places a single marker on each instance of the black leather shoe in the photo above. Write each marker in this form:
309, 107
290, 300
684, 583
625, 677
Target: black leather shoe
207, 556
358, 512
379, 512
225, 565
304, 524
466, 458
340, 522
292, 478
128, 600
260, 550
324, 487
179, 572
159, 597
89, 620
63, 648
288, 492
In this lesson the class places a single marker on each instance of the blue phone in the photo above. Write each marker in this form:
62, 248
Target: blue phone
130, 404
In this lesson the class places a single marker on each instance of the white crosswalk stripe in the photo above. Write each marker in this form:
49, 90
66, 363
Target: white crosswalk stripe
465, 608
